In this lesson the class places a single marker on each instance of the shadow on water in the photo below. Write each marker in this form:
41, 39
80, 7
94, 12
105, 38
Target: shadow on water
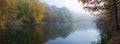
37, 34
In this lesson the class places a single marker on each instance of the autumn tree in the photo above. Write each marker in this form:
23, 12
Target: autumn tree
16, 12
7, 11
98, 6
37, 9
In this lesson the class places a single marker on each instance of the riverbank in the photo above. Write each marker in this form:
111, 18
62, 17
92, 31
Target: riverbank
115, 38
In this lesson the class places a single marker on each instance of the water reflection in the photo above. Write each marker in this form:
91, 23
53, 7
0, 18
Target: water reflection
74, 33
37, 34
53, 31
83, 33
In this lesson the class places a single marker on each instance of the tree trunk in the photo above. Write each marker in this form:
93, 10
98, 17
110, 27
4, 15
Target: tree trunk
116, 13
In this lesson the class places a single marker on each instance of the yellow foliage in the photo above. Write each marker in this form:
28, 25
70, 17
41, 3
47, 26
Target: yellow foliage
37, 10
7, 7
40, 13
8, 10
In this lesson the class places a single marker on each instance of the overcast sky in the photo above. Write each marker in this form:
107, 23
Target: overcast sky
73, 5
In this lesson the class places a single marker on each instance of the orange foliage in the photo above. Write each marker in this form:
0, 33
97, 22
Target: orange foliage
92, 5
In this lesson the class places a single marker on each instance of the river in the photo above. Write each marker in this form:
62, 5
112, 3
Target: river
77, 33
52, 33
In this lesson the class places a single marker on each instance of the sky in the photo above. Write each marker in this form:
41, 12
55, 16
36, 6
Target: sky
73, 5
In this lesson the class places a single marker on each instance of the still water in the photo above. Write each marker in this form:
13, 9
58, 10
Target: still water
64, 33
78, 33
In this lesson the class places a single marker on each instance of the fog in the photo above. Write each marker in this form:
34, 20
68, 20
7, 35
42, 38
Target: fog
72, 5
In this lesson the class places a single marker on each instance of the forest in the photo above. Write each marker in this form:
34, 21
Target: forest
25, 12
18, 14
21, 20
53, 14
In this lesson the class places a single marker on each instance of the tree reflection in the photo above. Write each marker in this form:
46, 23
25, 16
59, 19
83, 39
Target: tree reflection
61, 30
37, 34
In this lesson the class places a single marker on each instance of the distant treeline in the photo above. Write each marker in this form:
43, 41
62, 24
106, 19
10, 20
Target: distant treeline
57, 15
23, 12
